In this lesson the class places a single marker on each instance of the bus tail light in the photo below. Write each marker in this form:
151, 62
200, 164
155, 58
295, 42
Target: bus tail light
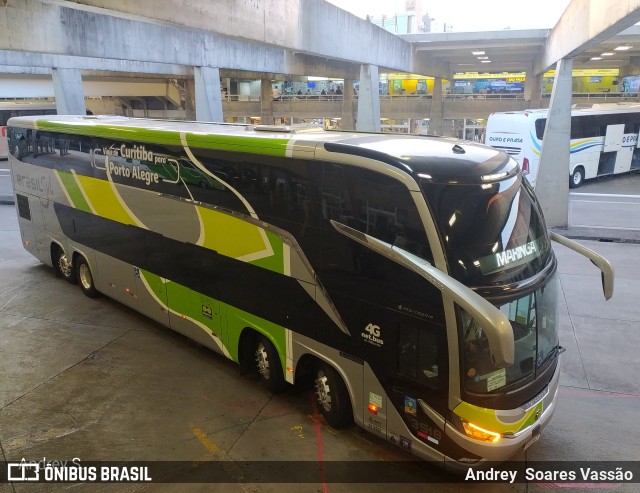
525, 166
474, 431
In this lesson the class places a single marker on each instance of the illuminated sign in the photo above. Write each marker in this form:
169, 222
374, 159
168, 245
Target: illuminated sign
490, 75
593, 72
510, 258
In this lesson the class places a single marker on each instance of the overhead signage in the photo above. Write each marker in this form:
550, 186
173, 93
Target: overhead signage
490, 75
591, 72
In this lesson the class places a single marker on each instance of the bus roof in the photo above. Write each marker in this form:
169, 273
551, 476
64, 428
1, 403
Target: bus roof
596, 109
435, 158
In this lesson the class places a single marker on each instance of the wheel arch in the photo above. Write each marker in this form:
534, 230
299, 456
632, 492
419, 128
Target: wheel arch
53, 248
247, 342
311, 360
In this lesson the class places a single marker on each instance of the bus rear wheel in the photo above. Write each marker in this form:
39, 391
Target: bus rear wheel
576, 179
333, 397
63, 265
268, 365
85, 278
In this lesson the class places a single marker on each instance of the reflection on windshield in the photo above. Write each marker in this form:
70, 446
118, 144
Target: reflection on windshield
493, 232
535, 332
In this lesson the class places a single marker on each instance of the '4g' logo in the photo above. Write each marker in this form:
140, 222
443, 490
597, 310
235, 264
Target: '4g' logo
374, 330
371, 334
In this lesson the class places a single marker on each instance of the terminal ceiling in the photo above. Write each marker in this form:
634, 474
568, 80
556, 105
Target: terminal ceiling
514, 51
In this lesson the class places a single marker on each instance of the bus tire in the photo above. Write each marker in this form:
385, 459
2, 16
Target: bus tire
332, 396
63, 266
85, 278
576, 179
268, 365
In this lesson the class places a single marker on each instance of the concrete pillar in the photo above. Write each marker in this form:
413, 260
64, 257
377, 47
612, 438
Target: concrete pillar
368, 100
266, 102
435, 122
208, 97
552, 183
532, 88
347, 121
68, 91
633, 67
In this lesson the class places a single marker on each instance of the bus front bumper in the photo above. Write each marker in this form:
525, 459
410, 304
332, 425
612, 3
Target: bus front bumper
509, 445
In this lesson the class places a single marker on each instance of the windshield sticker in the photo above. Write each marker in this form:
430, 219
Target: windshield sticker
511, 258
496, 379
410, 405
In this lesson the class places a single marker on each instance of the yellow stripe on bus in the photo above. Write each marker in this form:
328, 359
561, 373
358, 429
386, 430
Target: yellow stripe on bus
231, 236
104, 201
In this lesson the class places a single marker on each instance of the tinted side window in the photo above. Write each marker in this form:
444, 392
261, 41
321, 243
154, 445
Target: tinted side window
375, 204
540, 126
63, 152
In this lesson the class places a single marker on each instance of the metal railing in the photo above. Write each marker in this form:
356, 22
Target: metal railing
484, 97
602, 96
599, 96
309, 97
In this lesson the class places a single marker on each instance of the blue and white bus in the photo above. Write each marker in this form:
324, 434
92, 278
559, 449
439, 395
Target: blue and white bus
604, 140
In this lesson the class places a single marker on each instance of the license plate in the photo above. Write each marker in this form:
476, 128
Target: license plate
535, 436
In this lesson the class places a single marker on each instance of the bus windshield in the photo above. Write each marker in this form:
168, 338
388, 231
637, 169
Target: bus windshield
493, 233
534, 319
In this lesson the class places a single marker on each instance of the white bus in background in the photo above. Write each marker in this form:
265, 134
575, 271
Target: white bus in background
4, 146
604, 140
21, 107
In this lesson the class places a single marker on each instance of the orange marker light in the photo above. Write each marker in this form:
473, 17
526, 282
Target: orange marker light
373, 408
478, 433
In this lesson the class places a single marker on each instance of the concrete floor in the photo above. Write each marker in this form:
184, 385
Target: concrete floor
92, 379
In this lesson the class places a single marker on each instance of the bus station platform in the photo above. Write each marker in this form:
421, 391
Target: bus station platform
91, 379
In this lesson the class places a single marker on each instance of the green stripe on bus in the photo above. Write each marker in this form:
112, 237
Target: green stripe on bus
184, 301
73, 190
237, 320
273, 262
256, 145
113, 132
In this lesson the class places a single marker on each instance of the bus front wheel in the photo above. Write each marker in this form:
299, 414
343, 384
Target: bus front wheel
85, 278
268, 365
576, 179
63, 266
333, 397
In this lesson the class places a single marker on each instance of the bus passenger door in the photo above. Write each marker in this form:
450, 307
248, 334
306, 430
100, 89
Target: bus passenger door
611, 159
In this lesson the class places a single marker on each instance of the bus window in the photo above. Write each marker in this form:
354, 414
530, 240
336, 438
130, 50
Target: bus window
420, 355
374, 204
541, 123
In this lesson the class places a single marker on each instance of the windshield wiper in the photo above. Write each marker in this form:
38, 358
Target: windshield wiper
554, 351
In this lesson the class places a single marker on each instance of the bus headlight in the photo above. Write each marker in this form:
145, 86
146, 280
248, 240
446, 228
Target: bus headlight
474, 431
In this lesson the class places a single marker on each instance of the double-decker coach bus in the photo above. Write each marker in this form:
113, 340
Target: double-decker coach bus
412, 277
603, 141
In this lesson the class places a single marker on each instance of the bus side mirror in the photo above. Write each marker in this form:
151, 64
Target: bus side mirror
495, 324
606, 269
